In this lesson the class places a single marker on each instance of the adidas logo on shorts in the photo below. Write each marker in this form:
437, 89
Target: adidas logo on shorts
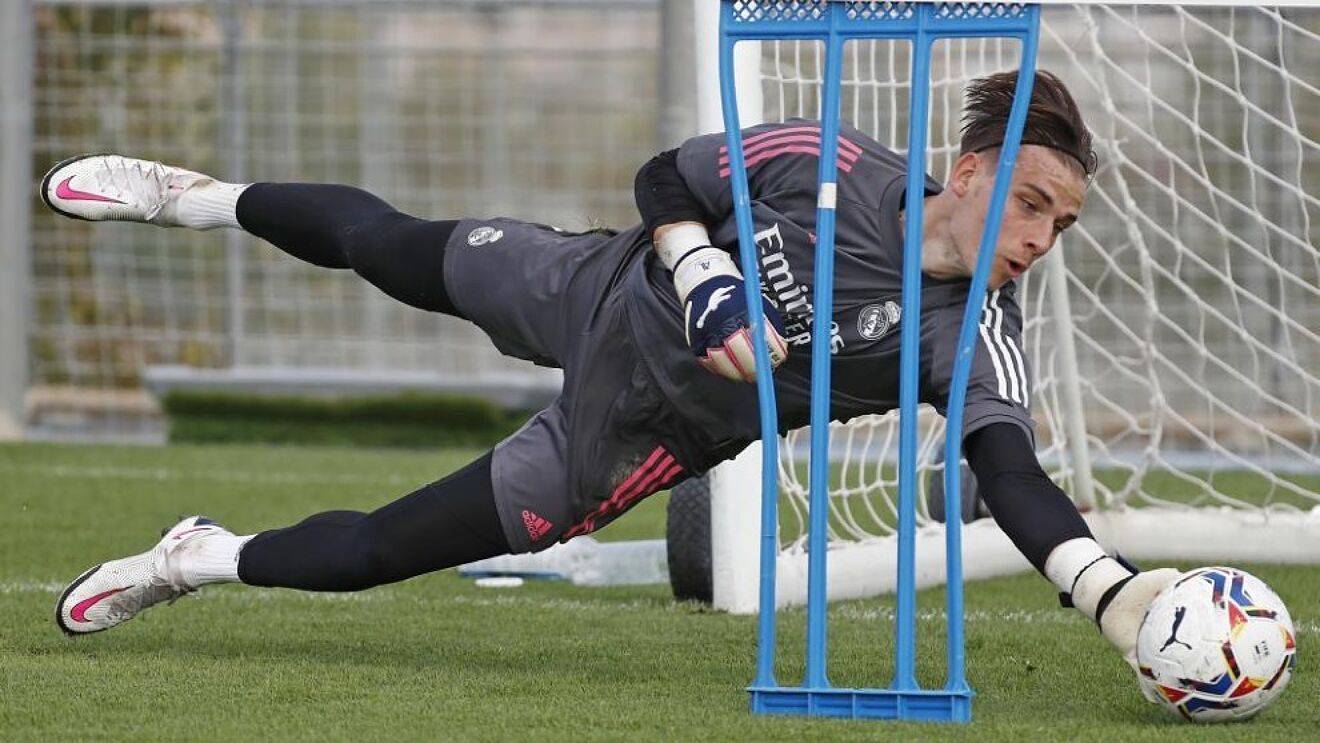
536, 526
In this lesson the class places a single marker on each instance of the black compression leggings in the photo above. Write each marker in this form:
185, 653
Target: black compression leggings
446, 523
344, 227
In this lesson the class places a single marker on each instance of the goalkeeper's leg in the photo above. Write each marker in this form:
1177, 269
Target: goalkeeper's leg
450, 522
345, 227
326, 225
447, 523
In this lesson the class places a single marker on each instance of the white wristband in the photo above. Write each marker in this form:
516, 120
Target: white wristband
700, 265
679, 240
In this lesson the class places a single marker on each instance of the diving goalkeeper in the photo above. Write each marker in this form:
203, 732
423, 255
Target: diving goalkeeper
651, 328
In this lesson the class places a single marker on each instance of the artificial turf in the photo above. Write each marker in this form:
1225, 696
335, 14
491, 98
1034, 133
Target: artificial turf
439, 658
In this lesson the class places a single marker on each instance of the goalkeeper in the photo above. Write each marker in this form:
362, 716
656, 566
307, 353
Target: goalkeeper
652, 330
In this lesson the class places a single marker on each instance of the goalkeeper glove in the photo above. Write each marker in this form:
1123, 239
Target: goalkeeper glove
1109, 590
1123, 605
719, 326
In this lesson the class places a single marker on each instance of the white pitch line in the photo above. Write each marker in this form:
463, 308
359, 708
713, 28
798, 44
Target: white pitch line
164, 474
31, 587
849, 611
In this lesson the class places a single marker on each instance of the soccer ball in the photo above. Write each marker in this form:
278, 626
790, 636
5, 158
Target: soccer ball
1217, 645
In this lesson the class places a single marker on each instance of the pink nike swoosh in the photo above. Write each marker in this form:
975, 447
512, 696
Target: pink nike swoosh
65, 191
79, 613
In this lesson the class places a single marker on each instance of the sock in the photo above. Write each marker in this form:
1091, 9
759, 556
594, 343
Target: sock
210, 205
1080, 568
208, 558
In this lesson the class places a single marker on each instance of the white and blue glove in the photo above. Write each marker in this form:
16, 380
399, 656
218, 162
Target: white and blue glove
719, 326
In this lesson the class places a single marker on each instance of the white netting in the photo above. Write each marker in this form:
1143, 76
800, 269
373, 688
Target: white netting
1193, 276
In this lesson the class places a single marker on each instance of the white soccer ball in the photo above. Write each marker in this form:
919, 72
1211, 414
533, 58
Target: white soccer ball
1217, 645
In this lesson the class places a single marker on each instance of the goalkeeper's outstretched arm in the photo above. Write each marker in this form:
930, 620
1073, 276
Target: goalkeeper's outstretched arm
1045, 526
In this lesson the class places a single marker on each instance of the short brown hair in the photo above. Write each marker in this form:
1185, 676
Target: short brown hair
1053, 119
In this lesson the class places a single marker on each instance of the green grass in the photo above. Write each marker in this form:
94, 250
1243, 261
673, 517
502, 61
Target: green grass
438, 658
410, 419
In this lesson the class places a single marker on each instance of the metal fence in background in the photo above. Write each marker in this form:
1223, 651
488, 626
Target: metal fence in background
543, 110
536, 110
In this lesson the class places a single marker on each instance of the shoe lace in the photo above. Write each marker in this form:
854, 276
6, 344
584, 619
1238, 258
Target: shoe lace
128, 604
160, 587
146, 183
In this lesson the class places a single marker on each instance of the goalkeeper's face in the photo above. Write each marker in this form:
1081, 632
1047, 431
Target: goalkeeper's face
1044, 199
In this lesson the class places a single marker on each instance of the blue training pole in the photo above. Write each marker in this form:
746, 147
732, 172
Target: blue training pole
823, 307
922, 24
905, 620
765, 390
962, 365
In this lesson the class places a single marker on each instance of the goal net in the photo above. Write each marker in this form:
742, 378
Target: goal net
1174, 335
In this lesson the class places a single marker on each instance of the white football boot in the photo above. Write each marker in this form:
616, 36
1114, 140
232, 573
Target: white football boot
116, 591
107, 187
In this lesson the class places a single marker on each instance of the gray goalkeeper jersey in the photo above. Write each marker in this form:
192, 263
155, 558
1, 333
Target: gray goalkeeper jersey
864, 338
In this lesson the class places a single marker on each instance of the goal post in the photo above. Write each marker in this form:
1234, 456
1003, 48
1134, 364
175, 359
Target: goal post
734, 501
1172, 334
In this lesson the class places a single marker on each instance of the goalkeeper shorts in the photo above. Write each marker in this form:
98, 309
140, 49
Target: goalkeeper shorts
611, 438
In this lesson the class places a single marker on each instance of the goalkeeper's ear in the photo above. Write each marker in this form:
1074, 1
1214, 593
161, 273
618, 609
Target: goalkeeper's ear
964, 172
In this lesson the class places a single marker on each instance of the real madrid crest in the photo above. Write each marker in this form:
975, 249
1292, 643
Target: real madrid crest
484, 236
876, 319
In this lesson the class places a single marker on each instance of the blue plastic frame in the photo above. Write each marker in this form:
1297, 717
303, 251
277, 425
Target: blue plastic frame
835, 22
